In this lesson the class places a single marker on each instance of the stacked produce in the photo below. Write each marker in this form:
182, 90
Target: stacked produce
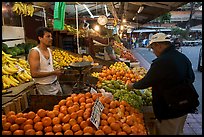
71, 116
136, 98
18, 49
118, 71
73, 31
14, 71
62, 58
123, 52
23, 9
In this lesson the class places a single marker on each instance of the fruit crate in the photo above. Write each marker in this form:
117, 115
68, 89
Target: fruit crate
149, 119
46, 102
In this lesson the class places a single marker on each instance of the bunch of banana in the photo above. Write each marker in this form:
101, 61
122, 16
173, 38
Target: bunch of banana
7, 58
70, 28
24, 9
24, 76
9, 68
9, 81
95, 74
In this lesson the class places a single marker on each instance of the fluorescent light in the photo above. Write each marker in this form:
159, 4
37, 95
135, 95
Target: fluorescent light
107, 14
140, 9
88, 11
124, 20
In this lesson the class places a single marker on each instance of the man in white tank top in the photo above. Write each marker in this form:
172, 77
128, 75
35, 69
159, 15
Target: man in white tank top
41, 65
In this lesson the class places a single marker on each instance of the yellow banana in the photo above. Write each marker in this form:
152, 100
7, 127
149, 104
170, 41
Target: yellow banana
27, 75
22, 61
9, 81
20, 74
15, 80
5, 86
5, 72
19, 79
8, 69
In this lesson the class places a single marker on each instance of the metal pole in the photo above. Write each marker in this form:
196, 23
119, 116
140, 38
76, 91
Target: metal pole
77, 25
45, 17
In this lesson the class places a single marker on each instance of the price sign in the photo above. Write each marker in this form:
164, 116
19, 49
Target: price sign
96, 113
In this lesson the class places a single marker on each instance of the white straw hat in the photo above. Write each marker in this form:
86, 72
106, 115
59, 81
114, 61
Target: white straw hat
158, 37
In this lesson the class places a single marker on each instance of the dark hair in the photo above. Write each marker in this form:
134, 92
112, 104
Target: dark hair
41, 31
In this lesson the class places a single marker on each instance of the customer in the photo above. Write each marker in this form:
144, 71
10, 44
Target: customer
110, 51
167, 70
41, 64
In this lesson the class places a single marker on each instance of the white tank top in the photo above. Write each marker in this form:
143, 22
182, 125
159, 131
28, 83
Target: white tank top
46, 65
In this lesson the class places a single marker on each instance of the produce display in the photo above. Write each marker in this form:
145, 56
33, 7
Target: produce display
62, 58
71, 116
136, 98
118, 71
23, 9
18, 49
123, 52
14, 71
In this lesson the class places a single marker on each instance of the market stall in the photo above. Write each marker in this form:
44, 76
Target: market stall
106, 107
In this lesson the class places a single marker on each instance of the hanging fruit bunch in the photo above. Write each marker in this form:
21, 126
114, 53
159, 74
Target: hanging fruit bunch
23, 9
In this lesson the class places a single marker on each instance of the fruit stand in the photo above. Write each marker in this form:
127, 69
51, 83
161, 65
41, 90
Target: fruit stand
108, 108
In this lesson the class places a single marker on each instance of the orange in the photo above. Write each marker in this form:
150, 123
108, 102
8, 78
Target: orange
48, 129
38, 126
83, 124
122, 133
79, 119
62, 102
39, 133
18, 115
57, 128
51, 114
76, 99
72, 122
111, 120
69, 103
56, 120
19, 120
106, 129
28, 126
66, 118
6, 126
115, 126
103, 122
36, 119
63, 109
80, 132
31, 115
56, 112
75, 128
89, 100
49, 133
6, 132
61, 115
99, 132
82, 99
30, 132
88, 129
127, 129
104, 116
66, 126
68, 132
29, 121
46, 121
41, 113
80, 113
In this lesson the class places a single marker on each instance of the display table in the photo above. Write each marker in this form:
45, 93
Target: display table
18, 99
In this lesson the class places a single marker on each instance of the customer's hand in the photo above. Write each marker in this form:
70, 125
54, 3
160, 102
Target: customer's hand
130, 86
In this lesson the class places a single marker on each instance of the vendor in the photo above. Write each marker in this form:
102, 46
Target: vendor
41, 65
109, 51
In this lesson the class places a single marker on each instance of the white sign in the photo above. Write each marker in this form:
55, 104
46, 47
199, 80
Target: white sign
96, 113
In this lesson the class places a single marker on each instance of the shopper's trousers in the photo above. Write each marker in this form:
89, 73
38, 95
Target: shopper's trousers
171, 126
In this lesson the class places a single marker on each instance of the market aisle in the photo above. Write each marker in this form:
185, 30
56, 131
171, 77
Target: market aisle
193, 124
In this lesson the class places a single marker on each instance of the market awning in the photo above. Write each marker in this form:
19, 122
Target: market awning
119, 10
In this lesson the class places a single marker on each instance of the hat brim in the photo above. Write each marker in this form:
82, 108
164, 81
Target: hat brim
150, 45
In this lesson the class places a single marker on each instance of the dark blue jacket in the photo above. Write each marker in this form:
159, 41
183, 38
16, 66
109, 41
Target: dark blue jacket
169, 69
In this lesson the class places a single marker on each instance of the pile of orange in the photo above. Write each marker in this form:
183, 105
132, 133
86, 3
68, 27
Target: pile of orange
71, 116
126, 76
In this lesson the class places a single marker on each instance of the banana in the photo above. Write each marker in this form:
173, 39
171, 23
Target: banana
21, 75
9, 81
5, 86
22, 61
5, 72
19, 79
27, 75
13, 79
8, 69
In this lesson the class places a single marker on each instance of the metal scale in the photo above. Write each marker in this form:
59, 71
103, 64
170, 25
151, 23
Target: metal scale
80, 85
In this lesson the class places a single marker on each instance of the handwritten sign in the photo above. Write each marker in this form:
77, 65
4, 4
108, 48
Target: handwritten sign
96, 113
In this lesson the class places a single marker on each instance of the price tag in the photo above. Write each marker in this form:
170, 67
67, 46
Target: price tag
96, 113
19, 68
